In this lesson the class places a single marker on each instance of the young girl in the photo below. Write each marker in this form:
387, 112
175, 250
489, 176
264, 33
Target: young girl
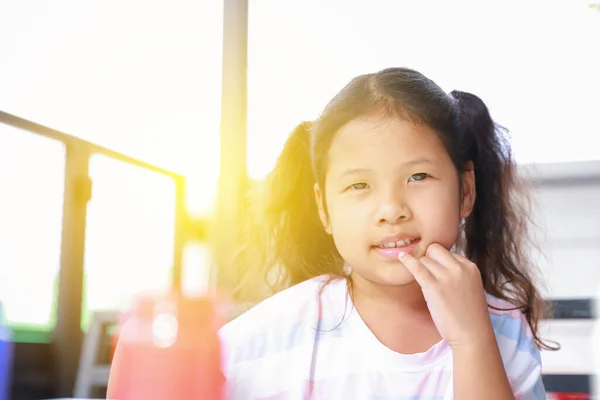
392, 223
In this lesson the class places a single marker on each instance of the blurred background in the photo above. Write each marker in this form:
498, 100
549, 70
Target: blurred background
130, 131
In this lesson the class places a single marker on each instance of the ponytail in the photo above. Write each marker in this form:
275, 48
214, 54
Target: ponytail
496, 233
283, 239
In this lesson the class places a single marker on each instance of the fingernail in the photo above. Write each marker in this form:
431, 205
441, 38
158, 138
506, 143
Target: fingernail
401, 254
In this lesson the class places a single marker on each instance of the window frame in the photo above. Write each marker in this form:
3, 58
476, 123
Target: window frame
67, 336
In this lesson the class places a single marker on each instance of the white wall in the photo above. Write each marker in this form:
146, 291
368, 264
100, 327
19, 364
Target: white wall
568, 206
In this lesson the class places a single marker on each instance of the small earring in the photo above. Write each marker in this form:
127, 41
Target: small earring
347, 269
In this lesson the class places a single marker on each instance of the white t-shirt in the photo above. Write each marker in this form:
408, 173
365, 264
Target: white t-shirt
279, 350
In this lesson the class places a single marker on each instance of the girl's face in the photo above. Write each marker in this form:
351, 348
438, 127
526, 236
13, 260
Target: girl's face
391, 187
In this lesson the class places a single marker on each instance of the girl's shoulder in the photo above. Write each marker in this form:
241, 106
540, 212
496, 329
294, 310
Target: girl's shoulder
519, 351
289, 303
280, 318
513, 333
505, 316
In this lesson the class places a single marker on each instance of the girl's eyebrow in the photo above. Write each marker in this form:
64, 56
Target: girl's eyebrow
417, 161
353, 171
358, 171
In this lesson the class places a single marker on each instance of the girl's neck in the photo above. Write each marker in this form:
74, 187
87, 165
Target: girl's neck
405, 299
397, 316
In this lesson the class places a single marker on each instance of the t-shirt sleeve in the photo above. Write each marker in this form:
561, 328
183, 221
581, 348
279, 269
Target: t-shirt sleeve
520, 354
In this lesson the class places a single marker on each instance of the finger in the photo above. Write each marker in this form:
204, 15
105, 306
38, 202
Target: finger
444, 257
460, 258
465, 262
423, 276
437, 269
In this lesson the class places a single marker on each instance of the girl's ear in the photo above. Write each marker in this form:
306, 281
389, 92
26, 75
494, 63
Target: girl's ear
321, 206
468, 190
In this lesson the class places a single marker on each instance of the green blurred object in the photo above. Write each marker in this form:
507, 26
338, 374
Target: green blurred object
36, 333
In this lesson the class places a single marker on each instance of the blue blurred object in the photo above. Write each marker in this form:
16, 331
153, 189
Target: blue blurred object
6, 350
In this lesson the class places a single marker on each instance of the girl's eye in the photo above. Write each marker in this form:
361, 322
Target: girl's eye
358, 186
418, 177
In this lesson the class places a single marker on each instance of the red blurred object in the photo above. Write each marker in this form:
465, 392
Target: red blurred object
168, 349
569, 396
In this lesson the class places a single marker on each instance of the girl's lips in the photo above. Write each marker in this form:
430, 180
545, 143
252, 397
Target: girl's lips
391, 253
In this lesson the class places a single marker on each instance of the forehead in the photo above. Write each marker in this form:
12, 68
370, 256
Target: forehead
384, 141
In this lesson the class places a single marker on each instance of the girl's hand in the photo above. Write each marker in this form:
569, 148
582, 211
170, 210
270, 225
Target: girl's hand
454, 293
